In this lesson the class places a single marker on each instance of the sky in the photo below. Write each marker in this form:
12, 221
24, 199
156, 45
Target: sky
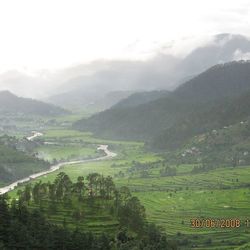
52, 34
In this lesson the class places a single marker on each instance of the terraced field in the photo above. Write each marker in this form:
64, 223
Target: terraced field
95, 218
172, 201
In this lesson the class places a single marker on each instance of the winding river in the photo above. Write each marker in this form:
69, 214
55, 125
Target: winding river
104, 148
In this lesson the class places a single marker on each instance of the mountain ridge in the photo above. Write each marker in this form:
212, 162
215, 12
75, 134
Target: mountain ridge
11, 103
149, 120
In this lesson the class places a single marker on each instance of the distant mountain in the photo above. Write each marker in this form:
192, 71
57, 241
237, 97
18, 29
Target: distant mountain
163, 71
221, 49
223, 80
83, 85
216, 89
11, 103
95, 101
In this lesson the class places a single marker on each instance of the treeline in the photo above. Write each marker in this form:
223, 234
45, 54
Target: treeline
145, 169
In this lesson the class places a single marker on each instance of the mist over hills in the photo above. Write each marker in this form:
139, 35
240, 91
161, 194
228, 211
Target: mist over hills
85, 84
194, 107
161, 72
10, 103
91, 100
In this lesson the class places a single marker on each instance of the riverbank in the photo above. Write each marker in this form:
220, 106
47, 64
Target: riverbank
104, 148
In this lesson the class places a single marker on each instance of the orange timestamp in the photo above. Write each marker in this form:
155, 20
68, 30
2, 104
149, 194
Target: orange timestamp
215, 223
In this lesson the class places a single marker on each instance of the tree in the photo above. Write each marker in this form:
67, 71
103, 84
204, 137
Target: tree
79, 187
93, 182
4, 220
109, 184
36, 192
132, 215
63, 186
27, 193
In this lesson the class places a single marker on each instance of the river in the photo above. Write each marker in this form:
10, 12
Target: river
104, 148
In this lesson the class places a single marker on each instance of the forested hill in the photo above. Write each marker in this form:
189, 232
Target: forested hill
223, 80
10, 103
141, 98
225, 113
14, 164
216, 86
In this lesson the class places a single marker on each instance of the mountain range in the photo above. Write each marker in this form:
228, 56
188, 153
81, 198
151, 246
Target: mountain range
88, 85
215, 98
163, 71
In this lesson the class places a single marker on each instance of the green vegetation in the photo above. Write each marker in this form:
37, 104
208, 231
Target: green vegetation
70, 135
172, 198
201, 170
217, 97
55, 216
141, 98
15, 164
88, 203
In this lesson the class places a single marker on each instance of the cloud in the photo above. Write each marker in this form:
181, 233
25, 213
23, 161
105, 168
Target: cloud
239, 55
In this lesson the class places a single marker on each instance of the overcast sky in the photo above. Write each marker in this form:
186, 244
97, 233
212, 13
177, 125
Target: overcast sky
37, 34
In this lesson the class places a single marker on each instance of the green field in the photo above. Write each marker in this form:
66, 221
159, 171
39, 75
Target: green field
172, 201
73, 135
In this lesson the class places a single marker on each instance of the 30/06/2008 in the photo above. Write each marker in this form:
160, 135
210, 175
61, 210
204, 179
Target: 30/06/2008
215, 223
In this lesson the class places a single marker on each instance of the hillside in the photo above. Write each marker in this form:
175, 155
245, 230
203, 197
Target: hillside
141, 98
205, 93
137, 123
223, 80
15, 164
228, 146
91, 213
10, 103
226, 112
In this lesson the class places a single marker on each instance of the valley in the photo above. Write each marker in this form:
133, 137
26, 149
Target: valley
182, 156
171, 201
125, 125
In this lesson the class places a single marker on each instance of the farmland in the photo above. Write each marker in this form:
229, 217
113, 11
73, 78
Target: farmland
170, 201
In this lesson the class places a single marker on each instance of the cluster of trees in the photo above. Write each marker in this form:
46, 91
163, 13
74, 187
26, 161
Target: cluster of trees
21, 228
24, 227
168, 171
122, 205
143, 169
63, 189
